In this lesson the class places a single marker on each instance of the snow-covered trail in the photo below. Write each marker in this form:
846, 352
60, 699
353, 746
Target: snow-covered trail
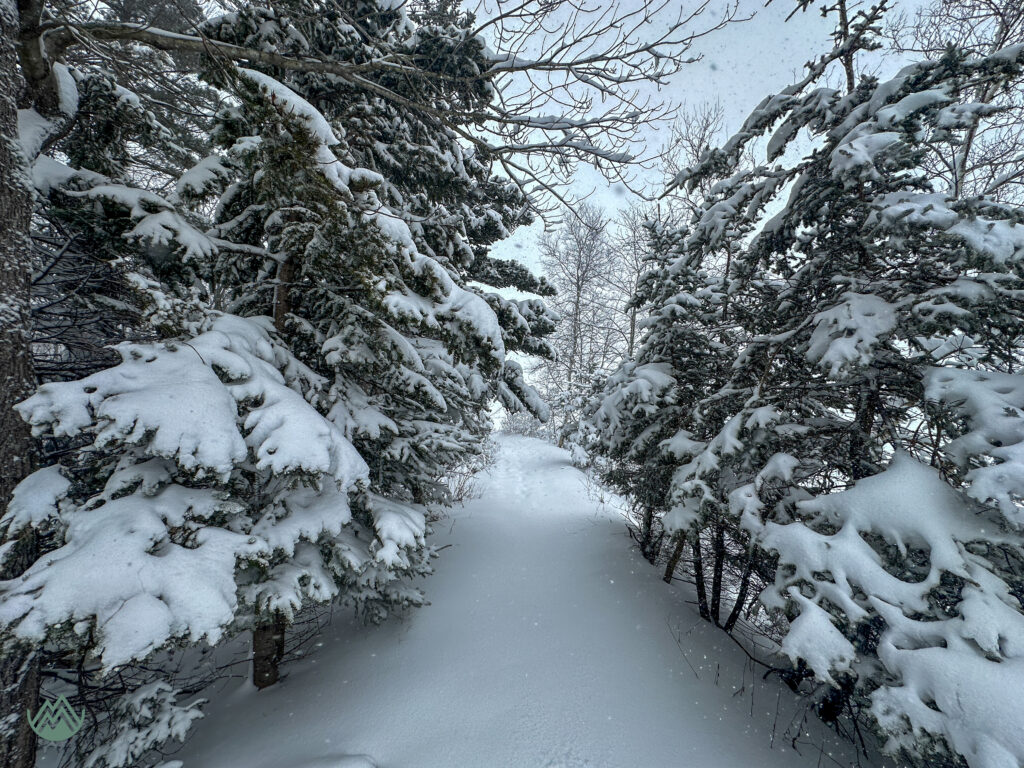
549, 643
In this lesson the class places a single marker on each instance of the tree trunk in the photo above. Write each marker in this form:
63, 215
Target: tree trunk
282, 293
647, 535
863, 424
19, 674
19, 695
718, 549
17, 379
40, 91
674, 558
268, 650
19, 668
632, 334
847, 59
741, 598
698, 572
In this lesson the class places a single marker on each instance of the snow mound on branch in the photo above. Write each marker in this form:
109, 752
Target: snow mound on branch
181, 401
159, 222
119, 568
814, 638
143, 401
956, 678
150, 559
846, 335
993, 405
336, 172
279, 92
36, 497
455, 306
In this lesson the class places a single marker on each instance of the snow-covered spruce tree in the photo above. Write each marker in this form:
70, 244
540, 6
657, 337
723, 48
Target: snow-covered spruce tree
204, 473
650, 412
415, 400
436, 399
637, 408
370, 269
91, 285
867, 435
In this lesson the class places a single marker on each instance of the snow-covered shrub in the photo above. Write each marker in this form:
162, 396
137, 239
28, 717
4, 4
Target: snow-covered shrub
904, 547
142, 721
462, 479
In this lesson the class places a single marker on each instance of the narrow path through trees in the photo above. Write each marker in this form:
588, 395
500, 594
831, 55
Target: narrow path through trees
549, 643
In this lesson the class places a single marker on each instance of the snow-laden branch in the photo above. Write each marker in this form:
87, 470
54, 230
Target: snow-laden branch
552, 63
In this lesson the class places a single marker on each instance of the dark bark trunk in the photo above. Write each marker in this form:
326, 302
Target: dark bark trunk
268, 650
647, 534
698, 572
39, 91
847, 59
19, 667
17, 378
650, 544
19, 695
741, 598
863, 424
718, 549
282, 293
19, 673
676, 556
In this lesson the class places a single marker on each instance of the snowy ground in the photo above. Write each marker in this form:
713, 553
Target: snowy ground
549, 643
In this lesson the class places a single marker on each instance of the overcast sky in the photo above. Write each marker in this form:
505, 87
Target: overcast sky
740, 65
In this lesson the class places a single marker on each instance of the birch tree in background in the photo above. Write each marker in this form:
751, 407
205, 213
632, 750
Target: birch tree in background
579, 261
630, 241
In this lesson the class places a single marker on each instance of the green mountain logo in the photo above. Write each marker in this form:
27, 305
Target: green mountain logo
56, 720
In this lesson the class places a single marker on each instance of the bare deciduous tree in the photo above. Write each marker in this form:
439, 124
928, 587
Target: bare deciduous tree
569, 78
629, 242
696, 130
580, 262
991, 158
633, 250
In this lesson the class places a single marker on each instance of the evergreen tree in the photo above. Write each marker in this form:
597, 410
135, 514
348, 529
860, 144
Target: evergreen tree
376, 347
370, 267
870, 329
883, 285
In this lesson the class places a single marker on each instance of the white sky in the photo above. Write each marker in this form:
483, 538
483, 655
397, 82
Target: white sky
741, 64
